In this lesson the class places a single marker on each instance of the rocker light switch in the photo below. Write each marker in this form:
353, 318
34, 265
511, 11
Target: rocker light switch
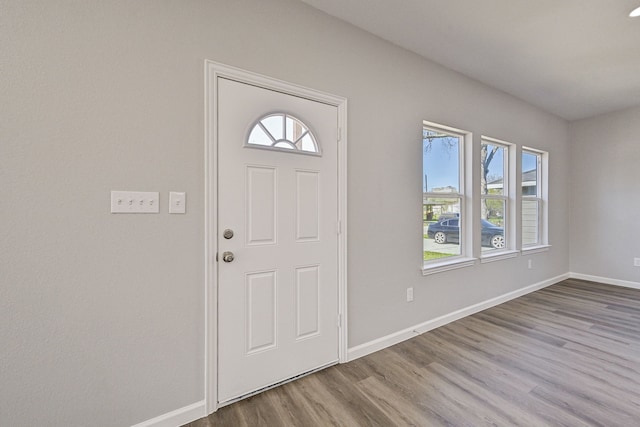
177, 202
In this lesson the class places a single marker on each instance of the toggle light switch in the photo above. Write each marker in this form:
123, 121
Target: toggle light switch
135, 202
177, 202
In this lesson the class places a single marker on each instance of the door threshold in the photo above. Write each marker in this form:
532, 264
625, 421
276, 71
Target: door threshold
279, 383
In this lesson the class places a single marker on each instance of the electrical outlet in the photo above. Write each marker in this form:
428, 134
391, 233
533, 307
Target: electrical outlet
409, 294
636, 262
530, 264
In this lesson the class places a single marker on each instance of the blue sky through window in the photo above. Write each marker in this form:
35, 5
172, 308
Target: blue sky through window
496, 166
529, 162
440, 160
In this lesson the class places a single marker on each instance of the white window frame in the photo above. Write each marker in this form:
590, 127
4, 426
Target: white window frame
541, 197
507, 197
464, 195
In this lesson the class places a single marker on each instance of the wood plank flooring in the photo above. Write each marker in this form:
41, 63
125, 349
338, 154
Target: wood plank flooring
567, 355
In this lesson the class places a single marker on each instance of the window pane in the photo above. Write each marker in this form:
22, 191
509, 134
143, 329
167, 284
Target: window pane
307, 144
294, 129
530, 222
441, 164
282, 131
275, 126
529, 174
259, 137
284, 144
441, 229
492, 169
493, 220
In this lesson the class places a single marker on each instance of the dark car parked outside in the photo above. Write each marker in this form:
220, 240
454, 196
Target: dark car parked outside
448, 231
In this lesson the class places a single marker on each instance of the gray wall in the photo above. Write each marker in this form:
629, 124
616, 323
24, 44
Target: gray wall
605, 203
102, 315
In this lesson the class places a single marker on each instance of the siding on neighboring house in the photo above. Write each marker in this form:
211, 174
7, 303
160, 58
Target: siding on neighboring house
529, 209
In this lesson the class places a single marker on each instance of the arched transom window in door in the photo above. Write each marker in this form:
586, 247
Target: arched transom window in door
283, 132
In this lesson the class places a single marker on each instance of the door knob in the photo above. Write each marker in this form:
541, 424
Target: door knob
227, 256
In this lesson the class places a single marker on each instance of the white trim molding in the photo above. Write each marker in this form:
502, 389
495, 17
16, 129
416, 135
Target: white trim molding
178, 417
528, 250
499, 256
213, 71
405, 334
605, 280
447, 265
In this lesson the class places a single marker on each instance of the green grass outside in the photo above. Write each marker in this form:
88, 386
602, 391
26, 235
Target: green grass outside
429, 255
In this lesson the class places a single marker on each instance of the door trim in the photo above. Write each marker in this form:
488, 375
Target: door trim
214, 70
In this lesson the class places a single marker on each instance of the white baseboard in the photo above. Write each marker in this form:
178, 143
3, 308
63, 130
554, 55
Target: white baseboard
197, 410
605, 280
405, 334
178, 417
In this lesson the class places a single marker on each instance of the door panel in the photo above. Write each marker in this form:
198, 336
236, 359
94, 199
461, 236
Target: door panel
278, 298
261, 311
307, 301
261, 203
307, 206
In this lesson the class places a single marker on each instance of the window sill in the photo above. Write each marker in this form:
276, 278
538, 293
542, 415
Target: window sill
535, 249
439, 267
499, 256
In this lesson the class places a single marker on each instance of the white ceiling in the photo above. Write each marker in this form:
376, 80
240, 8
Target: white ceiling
573, 58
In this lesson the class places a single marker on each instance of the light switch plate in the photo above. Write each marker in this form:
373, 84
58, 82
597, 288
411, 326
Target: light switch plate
135, 202
177, 202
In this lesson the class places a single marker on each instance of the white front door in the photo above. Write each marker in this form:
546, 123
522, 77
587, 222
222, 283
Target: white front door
277, 217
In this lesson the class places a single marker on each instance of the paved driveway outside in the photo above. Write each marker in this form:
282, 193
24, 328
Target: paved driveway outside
445, 248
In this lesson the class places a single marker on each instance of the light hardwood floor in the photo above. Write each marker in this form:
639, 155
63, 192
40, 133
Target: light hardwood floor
567, 355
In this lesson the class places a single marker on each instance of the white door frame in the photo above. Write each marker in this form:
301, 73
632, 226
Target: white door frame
213, 70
